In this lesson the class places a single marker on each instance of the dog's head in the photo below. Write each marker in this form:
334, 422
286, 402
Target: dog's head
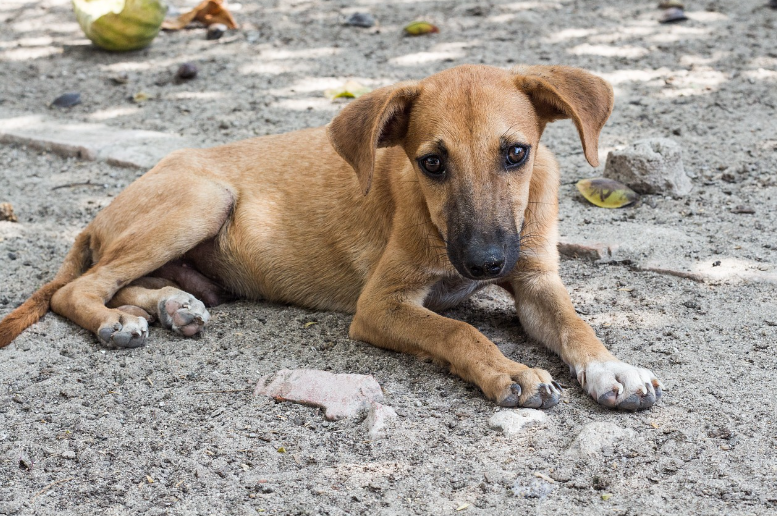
472, 133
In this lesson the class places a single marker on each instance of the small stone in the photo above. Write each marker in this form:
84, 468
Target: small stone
596, 436
532, 488
365, 20
378, 418
67, 100
120, 78
650, 166
511, 422
69, 454
215, 31
186, 72
673, 15
773, 4
12, 256
594, 252
341, 395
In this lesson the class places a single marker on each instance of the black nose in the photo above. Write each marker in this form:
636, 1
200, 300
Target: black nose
486, 262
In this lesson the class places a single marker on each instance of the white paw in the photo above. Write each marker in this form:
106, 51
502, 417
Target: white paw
128, 332
183, 313
616, 384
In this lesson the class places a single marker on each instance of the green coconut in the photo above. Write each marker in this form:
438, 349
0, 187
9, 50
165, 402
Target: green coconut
120, 25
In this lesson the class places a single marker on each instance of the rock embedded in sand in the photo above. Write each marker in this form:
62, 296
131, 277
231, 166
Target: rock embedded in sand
379, 418
650, 166
340, 395
511, 422
595, 436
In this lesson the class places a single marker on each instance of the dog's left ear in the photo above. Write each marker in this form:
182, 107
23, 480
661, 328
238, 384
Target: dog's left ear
377, 119
565, 92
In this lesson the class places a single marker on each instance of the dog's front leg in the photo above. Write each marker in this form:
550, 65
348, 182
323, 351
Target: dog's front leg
547, 315
393, 317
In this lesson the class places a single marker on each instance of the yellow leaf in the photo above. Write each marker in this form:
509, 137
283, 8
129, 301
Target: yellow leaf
462, 507
418, 28
150, 480
606, 193
310, 323
281, 450
140, 96
606, 496
351, 89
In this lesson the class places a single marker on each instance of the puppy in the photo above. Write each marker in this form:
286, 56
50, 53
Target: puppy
413, 198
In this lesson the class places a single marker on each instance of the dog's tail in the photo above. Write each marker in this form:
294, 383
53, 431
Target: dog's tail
30, 312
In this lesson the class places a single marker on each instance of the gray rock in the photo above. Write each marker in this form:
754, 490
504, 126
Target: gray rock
365, 20
341, 395
511, 422
532, 488
652, 166
379, 418
596, 436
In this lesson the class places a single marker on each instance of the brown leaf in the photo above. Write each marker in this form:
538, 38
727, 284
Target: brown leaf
6, 212
207, 12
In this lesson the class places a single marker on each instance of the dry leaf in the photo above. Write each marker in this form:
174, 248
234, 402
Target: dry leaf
6, 212
351, 89
606, 193
140, 97
207, 12
419, 28
310, 323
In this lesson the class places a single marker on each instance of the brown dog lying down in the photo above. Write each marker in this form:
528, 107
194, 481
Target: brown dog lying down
452, 191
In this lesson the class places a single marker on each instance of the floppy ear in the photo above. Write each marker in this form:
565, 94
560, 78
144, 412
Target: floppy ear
377, 119
565, 92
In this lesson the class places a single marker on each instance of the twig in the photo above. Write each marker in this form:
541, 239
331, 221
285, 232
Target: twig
49, 487
70, 185
214, 392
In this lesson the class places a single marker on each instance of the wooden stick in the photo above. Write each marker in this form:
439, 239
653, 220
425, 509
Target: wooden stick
49, 487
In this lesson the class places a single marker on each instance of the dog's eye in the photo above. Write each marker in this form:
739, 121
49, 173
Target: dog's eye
432, 165
516, 155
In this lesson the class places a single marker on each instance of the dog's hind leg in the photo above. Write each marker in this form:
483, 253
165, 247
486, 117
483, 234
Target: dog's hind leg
130, 243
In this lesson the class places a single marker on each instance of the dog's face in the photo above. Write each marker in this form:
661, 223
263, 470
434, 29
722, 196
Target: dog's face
473, 159
471, 134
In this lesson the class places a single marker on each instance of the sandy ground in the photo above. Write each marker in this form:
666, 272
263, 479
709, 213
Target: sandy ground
173, 428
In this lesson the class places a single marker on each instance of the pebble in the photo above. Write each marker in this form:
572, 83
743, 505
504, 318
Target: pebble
69, 454
532, 488
365, 20
650, 166
215, 31
67, 100
594, 437
186, 72
378, 419
511, 422
673, 15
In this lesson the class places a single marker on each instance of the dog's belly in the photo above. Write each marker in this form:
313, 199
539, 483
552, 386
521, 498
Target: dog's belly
451, 291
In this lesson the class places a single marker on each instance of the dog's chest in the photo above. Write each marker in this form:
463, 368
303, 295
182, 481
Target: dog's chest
451, 291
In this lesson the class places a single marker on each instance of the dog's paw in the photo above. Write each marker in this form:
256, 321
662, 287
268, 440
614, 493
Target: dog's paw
616, 384
128, 332
183, 313
532, 388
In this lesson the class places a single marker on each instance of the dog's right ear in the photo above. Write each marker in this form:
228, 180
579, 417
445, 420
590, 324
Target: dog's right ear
377, 119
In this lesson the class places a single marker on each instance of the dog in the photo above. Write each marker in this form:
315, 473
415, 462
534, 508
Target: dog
414, 197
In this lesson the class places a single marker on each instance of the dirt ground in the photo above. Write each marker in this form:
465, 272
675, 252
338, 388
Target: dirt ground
173, 428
